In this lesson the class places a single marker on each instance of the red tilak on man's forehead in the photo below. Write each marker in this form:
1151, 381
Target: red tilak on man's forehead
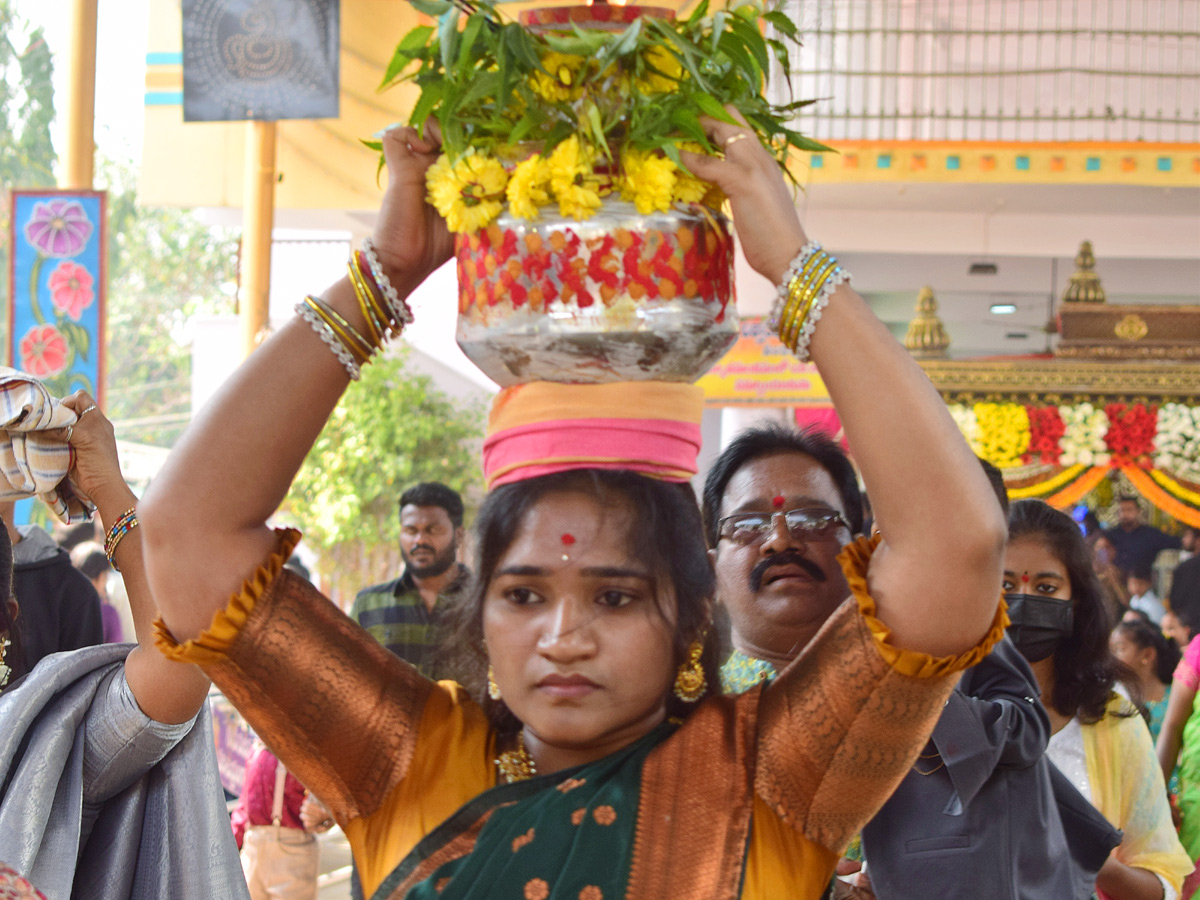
777, 501
1025, 577
568, 539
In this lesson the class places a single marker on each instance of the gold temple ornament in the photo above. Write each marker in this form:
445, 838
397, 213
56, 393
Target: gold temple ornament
926, 337
1084, 286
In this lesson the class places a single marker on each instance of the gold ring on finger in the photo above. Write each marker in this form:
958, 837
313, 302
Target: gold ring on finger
733, 139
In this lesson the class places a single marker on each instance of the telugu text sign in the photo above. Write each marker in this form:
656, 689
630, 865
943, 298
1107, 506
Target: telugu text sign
759, 371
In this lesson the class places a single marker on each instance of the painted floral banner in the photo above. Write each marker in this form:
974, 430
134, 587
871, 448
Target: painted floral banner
1060, 453
56, 282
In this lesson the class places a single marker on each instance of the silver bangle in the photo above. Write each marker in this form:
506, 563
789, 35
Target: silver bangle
398, 307
326, 334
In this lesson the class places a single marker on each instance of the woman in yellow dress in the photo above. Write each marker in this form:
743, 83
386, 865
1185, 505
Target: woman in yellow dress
595, 760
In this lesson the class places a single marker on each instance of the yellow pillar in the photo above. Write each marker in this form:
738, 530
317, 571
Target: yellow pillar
79, 153
258, 218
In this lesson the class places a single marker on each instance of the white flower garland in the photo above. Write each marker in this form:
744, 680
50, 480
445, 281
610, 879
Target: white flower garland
968, 423
1083, 440
1177, 444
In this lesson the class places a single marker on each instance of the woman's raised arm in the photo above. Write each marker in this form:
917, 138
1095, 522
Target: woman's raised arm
204, 518
936, 576
166, 691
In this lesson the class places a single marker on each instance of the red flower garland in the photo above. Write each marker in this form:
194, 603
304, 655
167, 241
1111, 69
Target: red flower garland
1131, 432
1046, 429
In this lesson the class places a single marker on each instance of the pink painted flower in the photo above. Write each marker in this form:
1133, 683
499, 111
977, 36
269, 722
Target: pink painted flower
44, 351
71, 289
58, 228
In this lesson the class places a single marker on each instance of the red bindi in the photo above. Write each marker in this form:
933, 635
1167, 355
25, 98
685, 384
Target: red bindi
568, 539
1025, 578
777, 501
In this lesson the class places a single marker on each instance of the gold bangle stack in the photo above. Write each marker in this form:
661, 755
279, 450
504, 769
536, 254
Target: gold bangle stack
803, 289
808, 292
349, 345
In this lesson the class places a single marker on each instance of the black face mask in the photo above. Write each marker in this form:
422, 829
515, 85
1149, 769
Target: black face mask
1038, 624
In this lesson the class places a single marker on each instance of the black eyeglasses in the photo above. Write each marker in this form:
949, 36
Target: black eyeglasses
802, 524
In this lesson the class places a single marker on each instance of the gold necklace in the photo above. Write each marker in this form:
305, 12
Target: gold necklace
940, 765
517, 765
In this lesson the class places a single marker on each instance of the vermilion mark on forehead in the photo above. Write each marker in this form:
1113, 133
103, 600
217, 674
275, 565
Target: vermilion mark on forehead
777, 501
1025, 578
568, 539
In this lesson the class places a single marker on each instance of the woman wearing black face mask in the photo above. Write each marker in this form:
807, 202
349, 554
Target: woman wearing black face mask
1099, 742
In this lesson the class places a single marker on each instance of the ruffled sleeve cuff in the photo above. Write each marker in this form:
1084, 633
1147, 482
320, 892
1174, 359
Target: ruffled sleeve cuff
214, 642
854, 559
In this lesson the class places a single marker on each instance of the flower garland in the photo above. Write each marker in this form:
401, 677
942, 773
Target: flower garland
1156, 446
1083, 435
1046, 429
1178, 440
968, 423
1131, 430
1004, 433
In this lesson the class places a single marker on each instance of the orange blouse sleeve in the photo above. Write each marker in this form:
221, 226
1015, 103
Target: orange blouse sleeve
338, 709
839, 729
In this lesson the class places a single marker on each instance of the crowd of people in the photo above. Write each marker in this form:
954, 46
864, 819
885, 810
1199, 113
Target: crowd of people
953, 698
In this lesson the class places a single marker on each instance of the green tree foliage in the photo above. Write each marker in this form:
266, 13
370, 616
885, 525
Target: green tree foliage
392, 429
26, 110
164, 266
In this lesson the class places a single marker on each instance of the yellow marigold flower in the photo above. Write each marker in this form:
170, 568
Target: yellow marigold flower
1003, 433
572, 180
579, 202
528, 188
663, 71
649, 181
469, 193
560, 85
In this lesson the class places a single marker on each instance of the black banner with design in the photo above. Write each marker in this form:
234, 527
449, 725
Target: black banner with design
260, 59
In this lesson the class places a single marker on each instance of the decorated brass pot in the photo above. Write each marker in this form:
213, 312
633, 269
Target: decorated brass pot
619, 297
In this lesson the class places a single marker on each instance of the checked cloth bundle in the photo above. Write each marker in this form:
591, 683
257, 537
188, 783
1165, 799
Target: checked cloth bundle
32, 461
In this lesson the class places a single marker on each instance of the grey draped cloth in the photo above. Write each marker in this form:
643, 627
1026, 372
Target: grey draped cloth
99, 802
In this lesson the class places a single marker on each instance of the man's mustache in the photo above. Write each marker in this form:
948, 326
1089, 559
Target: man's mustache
786, 558
425, 547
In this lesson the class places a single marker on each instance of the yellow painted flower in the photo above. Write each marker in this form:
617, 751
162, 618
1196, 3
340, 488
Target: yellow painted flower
649, 181
663, 71
572, 180
528, 188
469, 193
561, 85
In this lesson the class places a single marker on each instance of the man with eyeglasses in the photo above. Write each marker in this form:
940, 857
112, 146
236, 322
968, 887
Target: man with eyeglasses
987, 820
779, 505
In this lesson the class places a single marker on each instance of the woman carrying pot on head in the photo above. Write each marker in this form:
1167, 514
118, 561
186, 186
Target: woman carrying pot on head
1098, 740
594, 760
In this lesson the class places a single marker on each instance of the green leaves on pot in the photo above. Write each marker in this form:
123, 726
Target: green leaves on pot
491, 83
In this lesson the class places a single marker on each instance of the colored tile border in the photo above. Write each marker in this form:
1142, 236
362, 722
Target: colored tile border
1017, 163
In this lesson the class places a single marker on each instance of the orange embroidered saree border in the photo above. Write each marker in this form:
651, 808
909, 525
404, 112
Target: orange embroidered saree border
308, 680
696, 804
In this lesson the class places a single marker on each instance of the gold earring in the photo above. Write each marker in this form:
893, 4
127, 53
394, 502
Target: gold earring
493, 689
689, 680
